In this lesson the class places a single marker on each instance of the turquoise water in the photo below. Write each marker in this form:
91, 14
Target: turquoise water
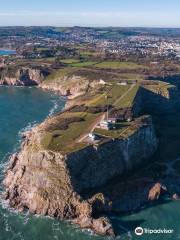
165, 215
20, 109
6, 52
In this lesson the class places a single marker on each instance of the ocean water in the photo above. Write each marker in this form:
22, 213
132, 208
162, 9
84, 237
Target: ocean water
20, 109
6, 52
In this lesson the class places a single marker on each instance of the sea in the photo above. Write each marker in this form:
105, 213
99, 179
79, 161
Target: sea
21, 108
4, 52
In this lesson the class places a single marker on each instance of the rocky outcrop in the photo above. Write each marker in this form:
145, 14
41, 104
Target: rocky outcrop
128, 196
157, 98
175, 197
23, 76
156, 191
71, 86
52, 183
100, 226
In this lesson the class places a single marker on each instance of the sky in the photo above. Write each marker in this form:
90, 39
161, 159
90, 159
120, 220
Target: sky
123, 13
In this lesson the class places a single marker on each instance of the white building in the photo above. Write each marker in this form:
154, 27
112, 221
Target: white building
105, 125
102, 82
92, 136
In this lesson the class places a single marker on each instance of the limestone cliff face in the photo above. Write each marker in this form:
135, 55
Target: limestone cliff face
71, 86
51, 183
22, 77
98, 165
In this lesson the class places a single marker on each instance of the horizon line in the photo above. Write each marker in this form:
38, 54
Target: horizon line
93, 26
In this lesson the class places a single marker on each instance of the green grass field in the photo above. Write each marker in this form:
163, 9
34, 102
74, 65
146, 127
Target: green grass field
106, 64
66, 140
83, 64
69, 61
112, 94
59, 74
109, 96
119, 65
88, 53
128, 99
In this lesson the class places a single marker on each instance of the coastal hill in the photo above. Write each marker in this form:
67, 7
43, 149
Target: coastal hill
101, 134
114, 149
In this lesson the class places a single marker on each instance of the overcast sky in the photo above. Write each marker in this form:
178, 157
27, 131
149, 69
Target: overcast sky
141, 13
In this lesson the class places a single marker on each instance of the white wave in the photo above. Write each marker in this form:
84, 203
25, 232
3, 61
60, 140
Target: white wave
29, 126
5, 160
3, 167
54, 108
4, 163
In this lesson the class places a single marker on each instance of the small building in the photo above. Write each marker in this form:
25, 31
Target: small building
105, 125
92, 137
123, 83
102, 82
129, 119
112, 120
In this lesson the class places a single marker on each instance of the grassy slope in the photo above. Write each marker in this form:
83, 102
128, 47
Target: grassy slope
66, 140
111, 95
127, 100
104, 64
120, 65
89, 72
69, 60
83, 64
58, 74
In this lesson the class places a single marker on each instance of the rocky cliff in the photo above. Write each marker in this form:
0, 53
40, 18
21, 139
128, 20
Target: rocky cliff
68, 82
71, 86
51, 183
23, 76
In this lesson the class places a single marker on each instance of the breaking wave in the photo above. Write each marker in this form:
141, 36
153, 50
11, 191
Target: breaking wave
54, 108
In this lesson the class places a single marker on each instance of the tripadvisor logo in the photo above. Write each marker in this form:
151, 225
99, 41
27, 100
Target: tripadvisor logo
139, 231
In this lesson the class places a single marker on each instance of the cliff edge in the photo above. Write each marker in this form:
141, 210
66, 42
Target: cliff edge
22, 76
52, 183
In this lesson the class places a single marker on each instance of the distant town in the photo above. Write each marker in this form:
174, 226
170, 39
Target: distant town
118, 43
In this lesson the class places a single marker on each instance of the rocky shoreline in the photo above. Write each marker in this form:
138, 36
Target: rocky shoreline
24, 76
35, 76
83, 186
51, 183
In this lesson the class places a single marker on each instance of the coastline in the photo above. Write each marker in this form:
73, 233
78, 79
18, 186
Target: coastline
85, 219
151, 191
84, 210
